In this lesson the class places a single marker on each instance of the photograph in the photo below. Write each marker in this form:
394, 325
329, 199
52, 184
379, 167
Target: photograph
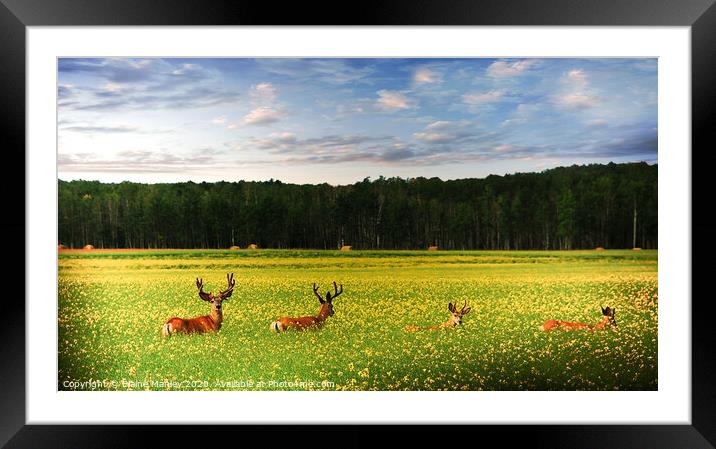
354, 223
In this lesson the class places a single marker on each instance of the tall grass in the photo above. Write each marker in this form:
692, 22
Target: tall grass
112, 306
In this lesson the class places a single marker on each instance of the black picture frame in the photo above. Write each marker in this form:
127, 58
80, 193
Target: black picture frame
16, 15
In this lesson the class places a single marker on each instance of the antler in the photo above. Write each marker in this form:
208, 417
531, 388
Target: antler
230, 286
465, 309
202, 294
335, 290
315, 292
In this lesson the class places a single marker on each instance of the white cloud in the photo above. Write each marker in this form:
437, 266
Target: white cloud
266, 91
526, 109
186, 68
219, 120
284, 137
262, 116
597, 122
140, 63
577, 77
343, 111
523, 113
447, 124
434, 137
276, 141
483, 98
99, 129
392, 101
578, 95
444, 131
577, 100
425, 75
112, 87
504, 68
440, 124
513, 121
332, 70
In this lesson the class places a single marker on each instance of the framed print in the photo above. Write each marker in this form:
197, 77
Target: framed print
485, 204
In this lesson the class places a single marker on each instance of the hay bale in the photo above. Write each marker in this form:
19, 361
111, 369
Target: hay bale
346, 248
234, 247
599, 248
253, 246
88, 247
60, 247
433, 248
636, 249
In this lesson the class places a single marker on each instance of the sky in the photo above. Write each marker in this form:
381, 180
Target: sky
343, 120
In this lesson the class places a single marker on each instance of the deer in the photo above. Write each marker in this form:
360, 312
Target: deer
310, 322
206, 323
607, 320
455, 319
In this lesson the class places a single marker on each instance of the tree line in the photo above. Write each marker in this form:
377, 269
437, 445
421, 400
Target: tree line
612, 206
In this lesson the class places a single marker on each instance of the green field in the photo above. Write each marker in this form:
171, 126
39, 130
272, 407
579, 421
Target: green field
112, 306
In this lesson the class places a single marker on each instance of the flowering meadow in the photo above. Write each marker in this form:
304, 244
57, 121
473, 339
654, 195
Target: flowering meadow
112, 305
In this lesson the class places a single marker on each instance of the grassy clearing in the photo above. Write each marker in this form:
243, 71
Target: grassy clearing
113, 304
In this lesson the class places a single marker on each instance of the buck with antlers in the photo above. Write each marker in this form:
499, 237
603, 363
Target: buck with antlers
607, 320
206, 323
455, 319
307, 322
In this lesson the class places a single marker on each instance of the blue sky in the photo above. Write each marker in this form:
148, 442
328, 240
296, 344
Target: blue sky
342, 120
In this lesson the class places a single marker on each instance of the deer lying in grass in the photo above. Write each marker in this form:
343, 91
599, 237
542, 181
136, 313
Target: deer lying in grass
607, 320
455, 319
206, 323
307, 322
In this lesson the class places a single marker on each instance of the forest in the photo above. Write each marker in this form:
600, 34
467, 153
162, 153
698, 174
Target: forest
578, 207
